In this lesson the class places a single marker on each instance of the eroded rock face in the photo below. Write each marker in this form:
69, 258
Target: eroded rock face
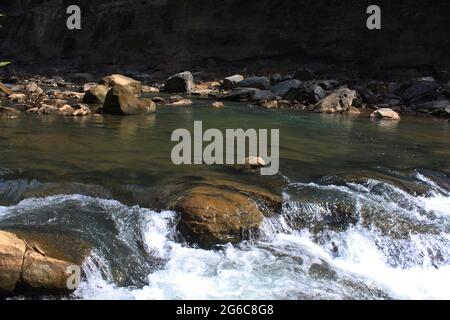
12, 250
27, 266
121, 101
214, 216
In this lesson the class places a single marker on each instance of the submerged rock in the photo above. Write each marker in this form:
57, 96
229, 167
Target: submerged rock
10, 113
385, 113
182, 82
217, 105
121, 101
181, 103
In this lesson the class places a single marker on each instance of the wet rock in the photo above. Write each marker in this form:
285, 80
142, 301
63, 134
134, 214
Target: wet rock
282, 88
173, 99
43, 273
121, 101
241, 93
385, 113
66, 110
66, 95
231, 82
48, 109
10, 113
148, 89
217, 105
261, 83
181, 103
131, 85
339, 100
12, 250
158, 99
81, 110
308, 93
24, 264
96, 94
270, 104
182, 82
262, 95
353, 110
212, 216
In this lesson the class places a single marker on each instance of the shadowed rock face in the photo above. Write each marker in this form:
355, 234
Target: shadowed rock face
171, 35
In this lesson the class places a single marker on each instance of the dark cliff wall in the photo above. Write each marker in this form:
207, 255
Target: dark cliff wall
177, 34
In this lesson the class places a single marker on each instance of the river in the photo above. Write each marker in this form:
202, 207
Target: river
365, 215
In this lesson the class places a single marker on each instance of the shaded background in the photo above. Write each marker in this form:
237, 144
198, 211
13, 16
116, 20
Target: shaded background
215, 35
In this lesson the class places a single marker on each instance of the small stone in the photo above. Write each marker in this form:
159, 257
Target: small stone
217, 105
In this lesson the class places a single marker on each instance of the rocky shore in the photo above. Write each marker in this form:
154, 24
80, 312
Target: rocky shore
302, 90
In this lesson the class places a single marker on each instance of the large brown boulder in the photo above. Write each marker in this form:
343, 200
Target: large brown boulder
119, 80
339, 100
24, 264
12, 250
121, 101
216, 216
44, 273
96, 94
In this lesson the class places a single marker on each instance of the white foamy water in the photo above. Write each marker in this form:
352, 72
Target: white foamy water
360, 262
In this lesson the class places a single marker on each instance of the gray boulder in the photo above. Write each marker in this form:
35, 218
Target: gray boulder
261, 83
339, 100
182, 82
282, 88
231, 82
421, 90
241, 93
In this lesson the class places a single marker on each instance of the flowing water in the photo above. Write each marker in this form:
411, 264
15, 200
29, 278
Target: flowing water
365, 215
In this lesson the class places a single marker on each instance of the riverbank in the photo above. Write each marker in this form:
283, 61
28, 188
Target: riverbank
302, 91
